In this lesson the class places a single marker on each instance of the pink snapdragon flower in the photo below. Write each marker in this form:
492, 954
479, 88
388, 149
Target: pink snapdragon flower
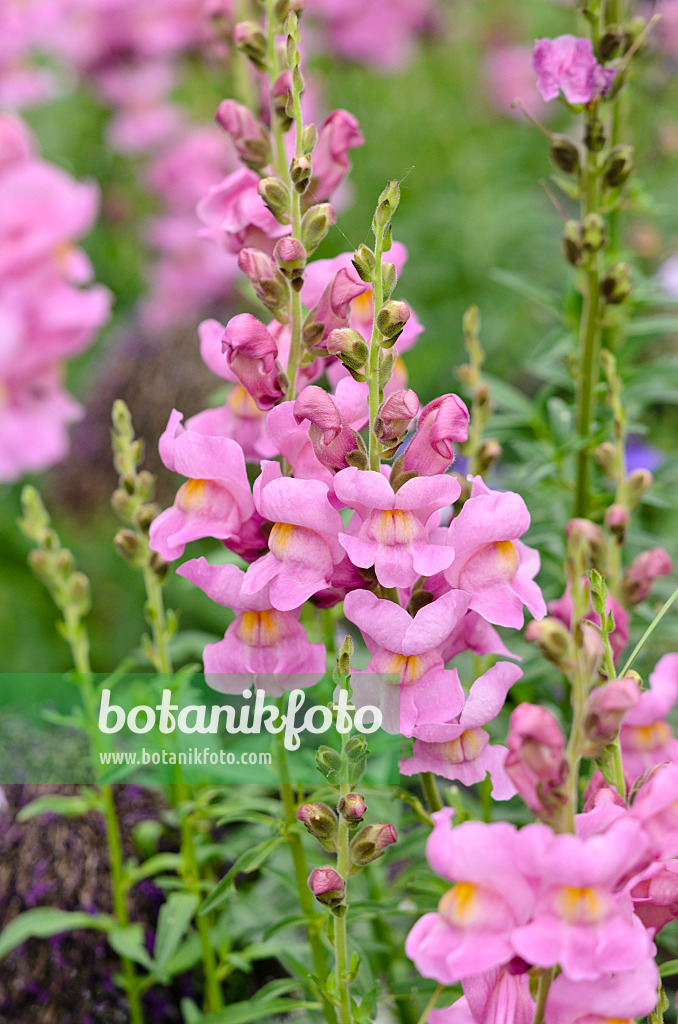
460, 749
242, 420
492, 996
236, 215
491, 564
329, 431
338, 133
490, 898
536, 761
655, 897
391, 530
303, 545
443, 421
261, 641
622, 996
408, 648
580, 921
567, 64
655, 806
215, 501
252, 355
646, 736
643, 571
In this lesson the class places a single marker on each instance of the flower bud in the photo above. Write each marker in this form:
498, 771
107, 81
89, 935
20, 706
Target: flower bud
617, 519
536, 762
145, 516
291, 257
594, 137
441, 422
321, 821
276, 196
315, 224
249, 38
609, 43
159, 566
387, 206
594, 232
616, 285
572, 242
637, 483
565, 153
78, 593
248, 134
369, 844
365, 263
592, 539
300, 172
349, 346
327, 886
267, 280
552, 638
389, 278
332, 437
618, 165
395, 416
605, 711
123, 504
356, 754
606, 457
309, 137
127, 545
488, 453
328, 763
280, 98
642, 573
352, 808
391, 320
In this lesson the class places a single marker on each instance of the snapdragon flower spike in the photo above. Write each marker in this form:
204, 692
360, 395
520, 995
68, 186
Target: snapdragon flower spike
536, 762
491, 564
407, 647
252, 355
215, 501
460, 749
236, 215
338, 133
261, 640
443, 421
390, 530
646, 737
580, 920
567, 64
329, 432
303, 545
490, 898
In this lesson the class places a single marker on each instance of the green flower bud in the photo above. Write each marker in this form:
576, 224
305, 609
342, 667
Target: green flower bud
637, 483
309, 137
609, 43
349, 346
365, 263
321, 821
552, 638
392, 318
315, 224
565, 153
369, 844
249, 38
594, 232
594, 137
606, 457
300, 172
328, 762
616, 286
572, 242
277, 198
618, 166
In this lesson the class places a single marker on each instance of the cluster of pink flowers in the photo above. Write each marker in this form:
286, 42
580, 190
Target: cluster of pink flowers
47, 315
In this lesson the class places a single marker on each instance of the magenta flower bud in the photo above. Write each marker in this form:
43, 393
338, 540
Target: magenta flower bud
329, 432
441, 422
352, 808
591, 538
395, 416
291, 257
536, 762
321, 822
617, 519
605, 711
251, 353
369, 844
391, 320
267, 280
327, 886
642, 573
250, 40
247, 133
280, 96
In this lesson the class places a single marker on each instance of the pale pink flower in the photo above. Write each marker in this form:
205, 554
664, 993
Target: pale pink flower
646, 737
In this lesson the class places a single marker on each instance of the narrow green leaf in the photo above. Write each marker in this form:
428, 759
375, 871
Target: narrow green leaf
128, 942
248, 861
173, 922
56, 803
44, 922
247, 1013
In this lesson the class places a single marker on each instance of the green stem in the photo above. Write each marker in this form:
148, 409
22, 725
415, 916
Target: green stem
312, 920
378, 294
340, 931
431, 1004
648, 632
542, 995
429, 788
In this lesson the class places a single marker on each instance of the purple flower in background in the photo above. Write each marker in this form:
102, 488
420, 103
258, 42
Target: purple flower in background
567, 64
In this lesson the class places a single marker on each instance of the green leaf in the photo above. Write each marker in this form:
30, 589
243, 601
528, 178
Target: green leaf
156, 865
56, 803
248, 861
190, 1012
173, 922
128, 942
246, 1013
44, 922
668, 969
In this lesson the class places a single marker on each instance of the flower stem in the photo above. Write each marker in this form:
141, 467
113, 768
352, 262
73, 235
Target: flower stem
542, 995
431, 1004
340, 930
378, 293
430, 790
313, 921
